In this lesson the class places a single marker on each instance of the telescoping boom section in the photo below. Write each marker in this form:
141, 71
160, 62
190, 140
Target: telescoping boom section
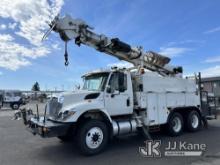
78, 30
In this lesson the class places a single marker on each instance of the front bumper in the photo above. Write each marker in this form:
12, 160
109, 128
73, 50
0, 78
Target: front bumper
48, 128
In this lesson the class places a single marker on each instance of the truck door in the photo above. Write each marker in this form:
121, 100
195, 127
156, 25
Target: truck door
118, 94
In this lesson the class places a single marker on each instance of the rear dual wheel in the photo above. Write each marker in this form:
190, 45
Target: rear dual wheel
193, 121
175, 124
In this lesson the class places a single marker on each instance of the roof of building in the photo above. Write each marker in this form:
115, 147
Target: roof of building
208, 79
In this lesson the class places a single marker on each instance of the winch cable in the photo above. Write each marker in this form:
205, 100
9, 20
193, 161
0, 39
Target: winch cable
66, 55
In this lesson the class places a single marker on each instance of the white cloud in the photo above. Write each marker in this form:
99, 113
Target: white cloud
12, 25
173, 51
3, 27
30, 17
6, 38
121, 64
56, 46
183, 42
14, 55
213, 59
217, 29
211, 71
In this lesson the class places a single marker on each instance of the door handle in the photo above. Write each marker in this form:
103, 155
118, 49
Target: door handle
128, 102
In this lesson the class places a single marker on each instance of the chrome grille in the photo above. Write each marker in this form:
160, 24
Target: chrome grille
53, 107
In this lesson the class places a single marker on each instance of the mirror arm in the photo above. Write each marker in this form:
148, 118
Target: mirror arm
113, 94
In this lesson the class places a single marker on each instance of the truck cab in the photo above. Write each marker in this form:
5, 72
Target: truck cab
109, 92
115, 88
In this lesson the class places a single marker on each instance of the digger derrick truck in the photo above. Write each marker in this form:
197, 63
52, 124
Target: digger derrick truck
119, 101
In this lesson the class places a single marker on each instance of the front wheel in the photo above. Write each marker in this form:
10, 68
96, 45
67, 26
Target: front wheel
92, 137
15, 106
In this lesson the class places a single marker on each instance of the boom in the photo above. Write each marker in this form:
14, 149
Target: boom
78, 30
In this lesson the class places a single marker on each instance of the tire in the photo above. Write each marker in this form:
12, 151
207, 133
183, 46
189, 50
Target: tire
92, 137
193, 121
15, 106
175, 124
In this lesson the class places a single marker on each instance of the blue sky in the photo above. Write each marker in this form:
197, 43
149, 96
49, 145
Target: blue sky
187, 31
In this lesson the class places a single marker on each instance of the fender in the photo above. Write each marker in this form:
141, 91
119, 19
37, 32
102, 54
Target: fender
85, 106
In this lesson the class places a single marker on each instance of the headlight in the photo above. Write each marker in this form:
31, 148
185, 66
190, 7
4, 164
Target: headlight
61, 99
64, 115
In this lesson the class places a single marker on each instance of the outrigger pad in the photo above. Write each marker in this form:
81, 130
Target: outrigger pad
24, 114
17, 115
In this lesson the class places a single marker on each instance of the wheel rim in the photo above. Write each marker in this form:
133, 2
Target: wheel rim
177, 124
195, 121
94, 137
15, 106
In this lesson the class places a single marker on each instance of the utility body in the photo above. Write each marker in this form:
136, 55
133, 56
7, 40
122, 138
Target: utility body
119, 101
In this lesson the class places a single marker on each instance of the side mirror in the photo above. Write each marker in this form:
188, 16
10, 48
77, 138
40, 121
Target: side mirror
108, 89
77, 87
121, 88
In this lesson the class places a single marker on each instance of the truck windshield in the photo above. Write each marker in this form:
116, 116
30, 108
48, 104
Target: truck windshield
95, 82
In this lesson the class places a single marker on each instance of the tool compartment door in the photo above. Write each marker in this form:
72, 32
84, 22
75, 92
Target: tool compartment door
162, 110
152, 108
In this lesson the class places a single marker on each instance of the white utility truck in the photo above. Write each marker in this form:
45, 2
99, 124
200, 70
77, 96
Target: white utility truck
118, 101
13, 98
